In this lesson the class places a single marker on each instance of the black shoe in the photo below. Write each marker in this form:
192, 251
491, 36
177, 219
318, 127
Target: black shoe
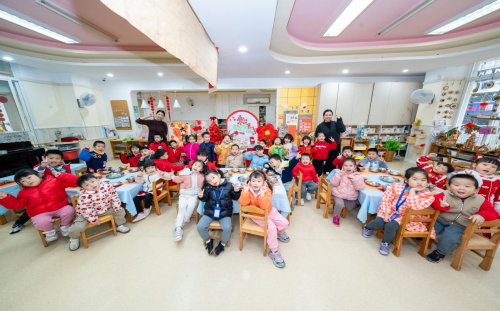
210, 247
435, 257
16, 228
219, 249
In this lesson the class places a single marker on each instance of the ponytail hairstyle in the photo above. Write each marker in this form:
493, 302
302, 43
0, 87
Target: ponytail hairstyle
217, 172
257, 175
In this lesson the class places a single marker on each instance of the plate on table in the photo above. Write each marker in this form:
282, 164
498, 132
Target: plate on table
114, 175
243, 178
372, 183
395, 173
390, 179
133, 169
4, 182
272, 179
115, 183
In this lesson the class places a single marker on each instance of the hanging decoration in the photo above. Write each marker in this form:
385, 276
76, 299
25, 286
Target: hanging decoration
3, 99
470, 127
267, 133
215, 132
152, 103
168, 107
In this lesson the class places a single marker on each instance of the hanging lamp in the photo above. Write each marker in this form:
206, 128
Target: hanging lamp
176, 102
160, 103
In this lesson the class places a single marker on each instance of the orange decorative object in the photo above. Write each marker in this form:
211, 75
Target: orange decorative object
268, 133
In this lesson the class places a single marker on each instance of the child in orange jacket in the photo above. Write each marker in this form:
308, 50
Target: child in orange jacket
258, 193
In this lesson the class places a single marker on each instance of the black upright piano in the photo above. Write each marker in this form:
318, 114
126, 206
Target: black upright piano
20, 154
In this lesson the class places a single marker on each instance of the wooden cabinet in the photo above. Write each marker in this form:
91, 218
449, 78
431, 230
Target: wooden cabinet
353, 102
380, 100
118, 146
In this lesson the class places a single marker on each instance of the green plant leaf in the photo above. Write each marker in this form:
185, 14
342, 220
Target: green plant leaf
393, 145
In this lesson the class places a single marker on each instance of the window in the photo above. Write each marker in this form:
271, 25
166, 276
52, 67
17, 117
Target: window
10, 119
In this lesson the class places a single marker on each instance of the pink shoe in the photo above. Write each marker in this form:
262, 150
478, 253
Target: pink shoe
336, 221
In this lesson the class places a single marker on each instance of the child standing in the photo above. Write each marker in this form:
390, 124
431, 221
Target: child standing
373, 160
257, 156
202, 155
209, 146
145, 155
96, 159
174, 153
306, 147
489, 185
290, 147
191, 182
258, 192
397, 198
148, 177
438, 173
223, 150
44, 198
191, 148
277, 148
458, 205
309, 177
236, 158
133, 157
345, 188
346, 153
157, 143
95, 200
218, 195
283, 168
322, 148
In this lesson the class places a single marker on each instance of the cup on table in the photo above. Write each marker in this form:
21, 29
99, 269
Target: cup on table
131, 179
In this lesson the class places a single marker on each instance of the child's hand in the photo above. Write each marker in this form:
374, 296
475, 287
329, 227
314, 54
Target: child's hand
432, 155
246, 187
142, 158
3, 195
254, 152
151, 151
200, 195
44, 162
236, 188
298, 156
387, 218
477, 219
302, 144
444, 204
56, 174
140, 174
331, 139
183, 154
266, 165
361, 163
339, 156
381, 158
263, 191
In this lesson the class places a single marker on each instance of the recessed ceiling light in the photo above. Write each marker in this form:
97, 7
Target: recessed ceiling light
353, 10
37, 28
243, 49
110, 75
160, 74
345, 71
287, 72
8, 58
405, 70
478, 11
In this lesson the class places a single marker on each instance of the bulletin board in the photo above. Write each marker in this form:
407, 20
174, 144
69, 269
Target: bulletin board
121, 115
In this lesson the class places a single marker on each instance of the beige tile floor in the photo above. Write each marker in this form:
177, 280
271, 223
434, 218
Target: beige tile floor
327, 268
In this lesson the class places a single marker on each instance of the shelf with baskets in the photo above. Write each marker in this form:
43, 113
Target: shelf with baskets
383, 132
454, 155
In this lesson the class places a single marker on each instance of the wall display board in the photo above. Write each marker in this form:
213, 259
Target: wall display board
121, 115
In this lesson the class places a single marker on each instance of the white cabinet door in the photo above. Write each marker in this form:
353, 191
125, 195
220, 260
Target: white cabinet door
361, 103
380, 100
345, 101
397, 103
410, 110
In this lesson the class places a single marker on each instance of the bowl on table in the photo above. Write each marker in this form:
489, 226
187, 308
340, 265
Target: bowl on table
114, 175
372, 183
389, 179
272, 179
227, 175
251, 169
239, 184
271, 173
241, 170
382, 170
97, 175
374, 170
123, 167
362, 168
386, 186
131, 179
259, 168
133, 169
243, 179
115, 183
116, 169
105, 172
395, 173
237, 170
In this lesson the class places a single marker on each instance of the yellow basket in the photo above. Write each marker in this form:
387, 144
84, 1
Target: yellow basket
411, 139
418, 149
422, 135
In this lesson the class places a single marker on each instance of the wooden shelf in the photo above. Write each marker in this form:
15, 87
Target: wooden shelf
483, 118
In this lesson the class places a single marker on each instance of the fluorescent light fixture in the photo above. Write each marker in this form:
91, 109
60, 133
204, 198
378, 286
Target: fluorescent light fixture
243, 49
465, 17
287, 72
32, 26
345, 71
405, 16
351, 12
405, 70
110, 75
160, 74
8, 58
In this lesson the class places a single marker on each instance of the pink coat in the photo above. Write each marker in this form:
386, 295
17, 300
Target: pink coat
345, 187
190, 150
186, 180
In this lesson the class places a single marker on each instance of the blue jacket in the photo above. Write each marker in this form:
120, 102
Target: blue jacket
210, 147
368, 163
94, 160
286, 171
256, 160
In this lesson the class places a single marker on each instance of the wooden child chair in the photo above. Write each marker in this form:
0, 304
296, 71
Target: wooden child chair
248, 226
324, 196
426, 216
102, 219
215, 231
57, 220
162, 186
297, 189
290, 199
472, 239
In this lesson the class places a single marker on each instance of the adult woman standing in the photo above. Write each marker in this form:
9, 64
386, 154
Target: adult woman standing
331, 129
155, 126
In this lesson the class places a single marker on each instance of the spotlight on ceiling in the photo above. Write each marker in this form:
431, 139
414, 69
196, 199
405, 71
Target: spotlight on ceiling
243, 49
8, 58
110, 75
160, 74
405, 70
287, 72
345, 71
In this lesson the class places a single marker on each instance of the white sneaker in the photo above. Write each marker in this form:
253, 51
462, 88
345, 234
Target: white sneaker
302, 202
74, 244
308, 196
64, 230
178, 234
51, 235
139, 216
147, 211
122, 229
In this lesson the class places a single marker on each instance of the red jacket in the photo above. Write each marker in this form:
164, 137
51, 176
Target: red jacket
489, 188
338, 162
155, 146
308, 172
322, 149
49, 196
174, 155
165, 166
307, 149
211, 165
131, 159
47, 171
435, 179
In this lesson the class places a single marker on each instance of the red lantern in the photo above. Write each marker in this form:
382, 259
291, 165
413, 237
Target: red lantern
152, 104
167, 100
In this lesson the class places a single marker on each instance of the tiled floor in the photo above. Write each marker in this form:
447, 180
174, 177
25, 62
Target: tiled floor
327, 268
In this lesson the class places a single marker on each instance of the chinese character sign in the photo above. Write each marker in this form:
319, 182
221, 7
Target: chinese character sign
243, 125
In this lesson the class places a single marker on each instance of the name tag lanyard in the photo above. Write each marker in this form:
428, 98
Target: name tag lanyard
217, 200
399, 204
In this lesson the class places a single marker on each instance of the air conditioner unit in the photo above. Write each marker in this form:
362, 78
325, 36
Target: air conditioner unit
258, 100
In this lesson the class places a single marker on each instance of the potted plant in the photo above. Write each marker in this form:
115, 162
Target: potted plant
392, 146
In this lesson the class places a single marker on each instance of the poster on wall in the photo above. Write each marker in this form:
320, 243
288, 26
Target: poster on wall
305, 124
243, 125
121, 115
291, 122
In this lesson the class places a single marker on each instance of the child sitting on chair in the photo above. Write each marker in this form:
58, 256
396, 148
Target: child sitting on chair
96, 159
148, 177
44, 198
218, 195
174, 153
306, 147
157, 143
95, 199
396, 199
257, 156
346, 153
372, 160
235, 159
438, 173
277, 148
161, 161
346, 185
258, 192
489, 184
202, 154
283, 168
458, 205
146, 155
133, 157
309, 178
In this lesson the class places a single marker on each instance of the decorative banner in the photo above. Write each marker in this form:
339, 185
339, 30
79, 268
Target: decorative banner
243, 125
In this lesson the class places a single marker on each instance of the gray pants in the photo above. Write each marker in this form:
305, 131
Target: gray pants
448, 236
308, 186
81, 223
390, 228
287, 186
225, 224
340, 203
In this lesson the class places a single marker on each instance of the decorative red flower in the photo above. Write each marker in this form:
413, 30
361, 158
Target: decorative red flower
469, 124
236, 132
268, 133
483, 104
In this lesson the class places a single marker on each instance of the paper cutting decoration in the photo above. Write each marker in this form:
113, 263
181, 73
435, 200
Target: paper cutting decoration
243, 125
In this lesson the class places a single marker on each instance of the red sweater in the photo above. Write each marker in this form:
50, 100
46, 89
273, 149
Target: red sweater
308, 172
155, 146
338, 162
133, 160
434, 178
322, 149
174, 155
211, 165
307, 149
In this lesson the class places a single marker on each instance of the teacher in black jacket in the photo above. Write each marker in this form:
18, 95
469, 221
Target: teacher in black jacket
331, 129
